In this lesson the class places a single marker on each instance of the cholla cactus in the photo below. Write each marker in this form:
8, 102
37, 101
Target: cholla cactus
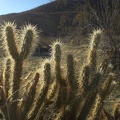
70, 98
28, 40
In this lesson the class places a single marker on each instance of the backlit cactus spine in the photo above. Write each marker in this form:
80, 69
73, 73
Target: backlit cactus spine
28, 38
104, 89
28, 100
89, 88
56, 56
88, 78
62, 94
73, 83
7, 77
43, 93
94, 42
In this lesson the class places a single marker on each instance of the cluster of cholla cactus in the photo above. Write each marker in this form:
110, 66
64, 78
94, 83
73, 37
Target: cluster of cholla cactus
48, 94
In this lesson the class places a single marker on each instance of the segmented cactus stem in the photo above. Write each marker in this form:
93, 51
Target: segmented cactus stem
7, 78
28, 100
84, 78
42, 96
56, 52
91, 97
71, 77
9, 36
29, 41
94, 42
70, 69
100, 97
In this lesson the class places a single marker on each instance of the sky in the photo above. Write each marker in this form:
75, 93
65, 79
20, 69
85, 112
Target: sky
15, 6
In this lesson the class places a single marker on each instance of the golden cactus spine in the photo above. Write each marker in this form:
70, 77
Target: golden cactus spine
10, 35
71, 76
102, 93
43, 93
56, 56
7, 76
28, 100
84, 78
94, 42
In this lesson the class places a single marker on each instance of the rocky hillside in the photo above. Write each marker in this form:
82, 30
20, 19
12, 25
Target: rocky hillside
46, 17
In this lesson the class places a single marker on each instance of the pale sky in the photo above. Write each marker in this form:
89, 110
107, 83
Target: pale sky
15, 6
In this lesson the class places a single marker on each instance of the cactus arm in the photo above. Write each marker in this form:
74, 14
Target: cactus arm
16, 85
82, 91
7, 76
94, 42
27, 43
57, 59
9, 38
27, 101
90, 97
101, 96
71, 77
46, 78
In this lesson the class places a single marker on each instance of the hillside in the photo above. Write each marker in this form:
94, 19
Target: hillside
58, 18
72, 20
47, 16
